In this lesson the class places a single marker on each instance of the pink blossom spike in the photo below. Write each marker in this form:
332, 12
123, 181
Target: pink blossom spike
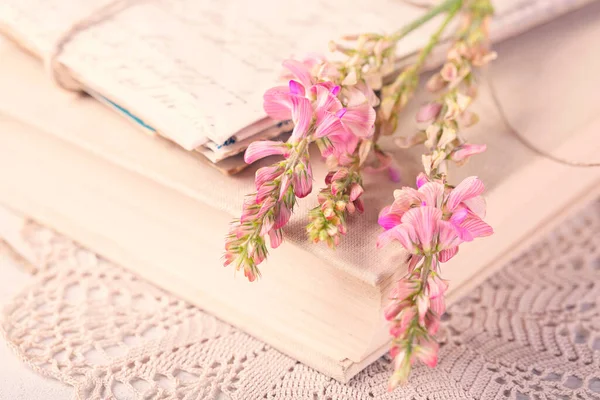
278, 103
467, 189
264, 148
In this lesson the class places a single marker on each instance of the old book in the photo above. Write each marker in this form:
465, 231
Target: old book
157, 210
136, 56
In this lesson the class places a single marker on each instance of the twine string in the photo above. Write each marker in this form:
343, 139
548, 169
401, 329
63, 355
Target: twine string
58, 73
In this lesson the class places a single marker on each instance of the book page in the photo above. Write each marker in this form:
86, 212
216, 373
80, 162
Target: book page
195, 71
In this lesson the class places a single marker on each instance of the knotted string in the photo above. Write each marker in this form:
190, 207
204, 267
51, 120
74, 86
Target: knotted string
523, 140
58, 72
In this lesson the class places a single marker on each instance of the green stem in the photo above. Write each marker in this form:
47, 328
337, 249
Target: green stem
440, 8
435, 38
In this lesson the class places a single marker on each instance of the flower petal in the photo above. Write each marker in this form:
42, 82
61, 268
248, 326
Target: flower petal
266, 174
473, 227
388, 218
302, 179
476, 205
427, 352
424, 220
326, 101
300, 71
277, 103
359, 120
428, 112
467, 189
282, 216
297, 88
462, 153
275, 237
355, 191
264, 148
405, 234
447, 254
432, 193
422, 179
329, 125
448, 235
301, 117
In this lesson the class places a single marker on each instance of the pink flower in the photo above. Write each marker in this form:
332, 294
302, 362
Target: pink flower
457, 219
436, 288
278, 103
429, 112
267, 174
462, 153
359, 119
467, 208
427, 351
301, 117
302, 179
264, 148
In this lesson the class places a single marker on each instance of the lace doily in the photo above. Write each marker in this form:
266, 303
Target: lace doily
531, 331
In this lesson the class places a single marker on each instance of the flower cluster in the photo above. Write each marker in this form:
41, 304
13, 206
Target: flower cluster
339, 197
430, 223
445, 118
333, 105
323, 112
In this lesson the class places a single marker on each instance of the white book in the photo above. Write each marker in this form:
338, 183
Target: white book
157, 210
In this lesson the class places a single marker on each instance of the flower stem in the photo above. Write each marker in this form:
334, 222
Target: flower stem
435, 38
444, 6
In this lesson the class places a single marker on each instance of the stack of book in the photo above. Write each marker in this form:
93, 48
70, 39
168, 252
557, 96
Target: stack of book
191, 74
